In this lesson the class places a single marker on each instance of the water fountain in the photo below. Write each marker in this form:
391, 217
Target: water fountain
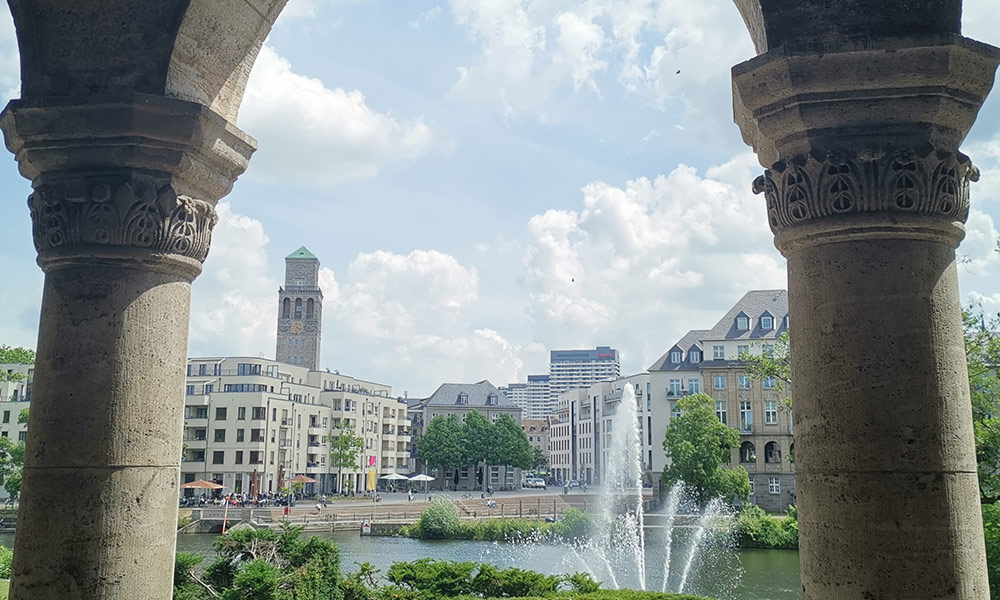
618, 551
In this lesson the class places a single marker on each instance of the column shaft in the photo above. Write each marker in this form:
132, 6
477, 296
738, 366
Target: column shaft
885, 457
98, 512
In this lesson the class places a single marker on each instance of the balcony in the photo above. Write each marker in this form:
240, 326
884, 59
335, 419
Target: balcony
286, 422
285, 443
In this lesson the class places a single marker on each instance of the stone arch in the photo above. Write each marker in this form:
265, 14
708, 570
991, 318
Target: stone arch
748, 452
298, 308
772, 453
286, 308
310, 308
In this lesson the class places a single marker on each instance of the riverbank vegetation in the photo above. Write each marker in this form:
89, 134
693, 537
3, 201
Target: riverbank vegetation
754, 528
282, 565
441, 521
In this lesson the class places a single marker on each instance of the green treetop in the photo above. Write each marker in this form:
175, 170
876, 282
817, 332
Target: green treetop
443, 443
698, 446
513, 447
15, 356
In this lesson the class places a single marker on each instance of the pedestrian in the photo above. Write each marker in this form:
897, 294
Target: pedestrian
324, 500
409, 496
319, 507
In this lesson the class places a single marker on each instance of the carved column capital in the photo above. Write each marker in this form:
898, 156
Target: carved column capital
892, 180
130, 180
850, 129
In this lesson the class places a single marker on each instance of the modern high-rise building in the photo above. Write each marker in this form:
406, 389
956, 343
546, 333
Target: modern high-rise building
533, 397
570, 369
300, 312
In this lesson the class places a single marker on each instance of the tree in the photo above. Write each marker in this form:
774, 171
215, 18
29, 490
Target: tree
513, 447
15, 356
775, 364
345, 450
11, 466
442, 444
698, 445
480, 443
982, 350
539, 462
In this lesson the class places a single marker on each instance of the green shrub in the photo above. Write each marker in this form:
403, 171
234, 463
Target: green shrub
184, 564
575, 524
257, 580
582, 583
991, 525
754, 528
440, 520
493, 582
6, 559
499, 530
440, 577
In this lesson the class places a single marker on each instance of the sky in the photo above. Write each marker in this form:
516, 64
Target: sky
487, 180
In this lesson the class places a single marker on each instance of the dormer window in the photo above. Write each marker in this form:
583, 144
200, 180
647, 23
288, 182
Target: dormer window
675, 356
742, 323
767, 322
463, 398
694, 356
492, 400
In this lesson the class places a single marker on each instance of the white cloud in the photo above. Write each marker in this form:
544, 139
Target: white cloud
637, 265
425, 17
234, 301
320, 135
306, 9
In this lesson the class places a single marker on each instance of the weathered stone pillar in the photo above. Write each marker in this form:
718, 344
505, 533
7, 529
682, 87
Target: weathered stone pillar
122, 211
857, 111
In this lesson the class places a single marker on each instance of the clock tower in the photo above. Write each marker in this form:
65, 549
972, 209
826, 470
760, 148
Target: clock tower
300, 311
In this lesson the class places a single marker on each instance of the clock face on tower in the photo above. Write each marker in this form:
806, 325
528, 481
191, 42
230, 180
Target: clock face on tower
297, 327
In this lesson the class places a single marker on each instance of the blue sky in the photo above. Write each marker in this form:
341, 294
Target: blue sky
487, 180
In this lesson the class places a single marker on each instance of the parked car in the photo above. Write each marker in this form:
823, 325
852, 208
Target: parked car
534, 482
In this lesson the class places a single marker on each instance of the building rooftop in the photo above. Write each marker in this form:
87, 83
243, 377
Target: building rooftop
302, 253
691, 339
475, 395
753, 304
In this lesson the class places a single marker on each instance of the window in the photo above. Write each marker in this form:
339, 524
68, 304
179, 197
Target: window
245, 387
22, 436
742, 349
258, 413
218, 457
718, 352
694, 386
188, 391
298, 308
675, 356
694, 356
198, 456
6, 416
256, 457
719, 382
675, 388
202, 369
720, 410
241, 413
773, 486
247, 369
239, 457
220, 413
767, 322
742, 323
767, 349
256, 435
220, 435
286, 308
769, 383
209, 388
492, 400
239, 434
748, 453
772, 453
746, 416
463, 398
673, 411
200, 412
770, 412
217, 370
744, 382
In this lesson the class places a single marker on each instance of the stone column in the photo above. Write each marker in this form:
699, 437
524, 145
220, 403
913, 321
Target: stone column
867, 194
122, 213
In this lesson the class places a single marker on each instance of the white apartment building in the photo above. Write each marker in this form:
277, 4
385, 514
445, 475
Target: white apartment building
254, 415
581, 440
570, 369
15, 396
534, 397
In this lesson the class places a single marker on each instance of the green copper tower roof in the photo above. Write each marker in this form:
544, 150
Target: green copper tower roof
302, 252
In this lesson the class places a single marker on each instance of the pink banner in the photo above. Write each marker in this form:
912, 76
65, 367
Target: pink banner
371, 461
